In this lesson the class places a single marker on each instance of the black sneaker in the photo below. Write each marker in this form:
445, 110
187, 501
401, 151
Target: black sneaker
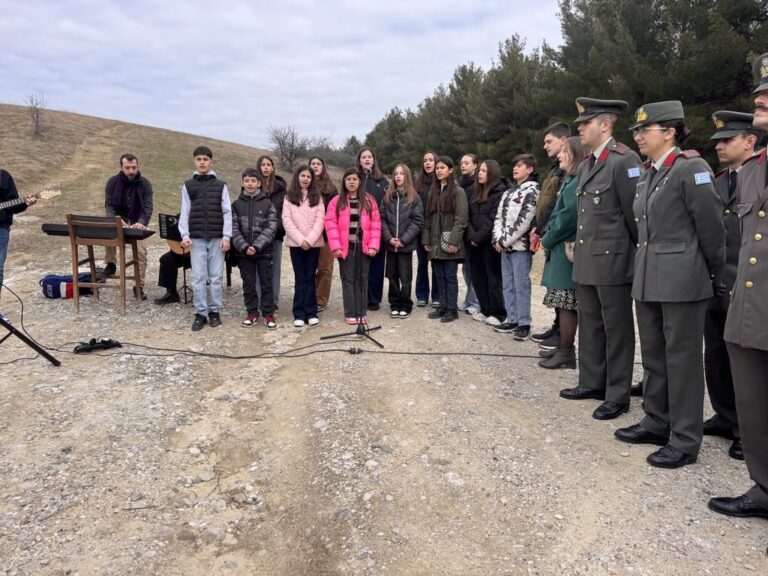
522, 333
110, 269
373, 306
541, 336
505, 327
169, 298
437, 313
214, 319
450, 316
199, 322
552, 342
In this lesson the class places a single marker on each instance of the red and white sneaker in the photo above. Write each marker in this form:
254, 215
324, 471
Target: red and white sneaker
250, 320
351, 321
269, 320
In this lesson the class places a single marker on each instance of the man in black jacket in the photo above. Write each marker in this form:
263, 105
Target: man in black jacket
129, 195
8, 193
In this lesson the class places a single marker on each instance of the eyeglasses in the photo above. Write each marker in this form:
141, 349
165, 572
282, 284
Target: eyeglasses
644, 130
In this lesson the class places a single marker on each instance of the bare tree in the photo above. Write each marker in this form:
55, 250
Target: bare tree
36, 104
287, 144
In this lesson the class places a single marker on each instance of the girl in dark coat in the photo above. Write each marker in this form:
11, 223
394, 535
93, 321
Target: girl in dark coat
423, 184
274, 187
486, 262
375, 183
402, 217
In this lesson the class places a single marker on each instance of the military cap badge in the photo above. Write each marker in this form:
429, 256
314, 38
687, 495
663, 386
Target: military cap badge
642, 115
719, 124
580, 107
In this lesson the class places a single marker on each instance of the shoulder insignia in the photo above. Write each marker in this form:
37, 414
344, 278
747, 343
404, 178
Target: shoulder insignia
620, 148
633, 172
702, 178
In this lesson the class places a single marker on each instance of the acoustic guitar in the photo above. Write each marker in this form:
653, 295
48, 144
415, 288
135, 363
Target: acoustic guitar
44, 194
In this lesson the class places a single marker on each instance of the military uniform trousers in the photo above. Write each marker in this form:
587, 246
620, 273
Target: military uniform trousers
717, 366
750, 377
673, 396
606, 339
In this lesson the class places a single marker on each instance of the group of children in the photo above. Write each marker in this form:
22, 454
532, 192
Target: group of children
372, 227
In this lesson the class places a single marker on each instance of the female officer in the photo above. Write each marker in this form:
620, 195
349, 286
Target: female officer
678, 268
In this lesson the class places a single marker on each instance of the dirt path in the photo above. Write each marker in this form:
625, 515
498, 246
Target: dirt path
330, 463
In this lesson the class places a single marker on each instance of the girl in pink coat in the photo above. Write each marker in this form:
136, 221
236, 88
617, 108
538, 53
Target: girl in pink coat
353, 227
303, 220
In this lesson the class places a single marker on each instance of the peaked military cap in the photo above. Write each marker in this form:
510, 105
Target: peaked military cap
729, 124
658, 112
590, 107
760, 69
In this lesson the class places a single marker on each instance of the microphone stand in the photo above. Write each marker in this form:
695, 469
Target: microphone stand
24, 338
363, 329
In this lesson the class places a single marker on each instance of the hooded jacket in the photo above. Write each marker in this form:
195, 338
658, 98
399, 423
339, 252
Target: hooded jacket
254, 223
403, 220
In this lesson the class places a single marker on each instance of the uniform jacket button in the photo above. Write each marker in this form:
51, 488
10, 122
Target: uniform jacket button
758, 236
753, 260
581, 241
761, 213
749, 284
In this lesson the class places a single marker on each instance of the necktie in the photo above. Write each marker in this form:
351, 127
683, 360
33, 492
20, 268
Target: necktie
592, 160
732, 179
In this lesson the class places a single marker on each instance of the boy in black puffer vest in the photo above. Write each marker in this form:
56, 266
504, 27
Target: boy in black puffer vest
205, 225
254, 225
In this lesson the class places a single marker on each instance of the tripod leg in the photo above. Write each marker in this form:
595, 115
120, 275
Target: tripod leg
23, 337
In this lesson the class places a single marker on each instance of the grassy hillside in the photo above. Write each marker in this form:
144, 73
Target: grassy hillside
78, 153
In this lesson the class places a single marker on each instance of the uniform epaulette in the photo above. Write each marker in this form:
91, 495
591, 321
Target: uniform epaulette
620, 148
689, 154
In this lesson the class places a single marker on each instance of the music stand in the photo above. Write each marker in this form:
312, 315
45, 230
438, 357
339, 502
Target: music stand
169, 230
5, 323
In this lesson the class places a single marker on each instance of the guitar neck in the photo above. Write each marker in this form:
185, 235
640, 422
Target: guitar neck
12, 203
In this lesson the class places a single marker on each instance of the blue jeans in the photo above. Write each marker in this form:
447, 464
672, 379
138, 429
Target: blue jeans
422, 276
5, 236
207, 267
447, 282
516, 279
304, 273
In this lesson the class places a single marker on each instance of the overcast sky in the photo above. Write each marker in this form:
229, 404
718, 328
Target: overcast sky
229, 69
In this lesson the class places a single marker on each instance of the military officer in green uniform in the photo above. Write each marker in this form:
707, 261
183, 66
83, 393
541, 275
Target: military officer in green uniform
735, 138
603, 260
746, 328
678, 267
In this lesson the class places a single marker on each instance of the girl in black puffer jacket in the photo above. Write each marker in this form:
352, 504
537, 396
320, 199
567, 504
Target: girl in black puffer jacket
402, 216
486, 262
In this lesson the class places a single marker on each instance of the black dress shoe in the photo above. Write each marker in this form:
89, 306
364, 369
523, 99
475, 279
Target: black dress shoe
636, 389
741, 506
736, 451
717, 426
670, 457
579, 393
609, 410
636, 434
168, 298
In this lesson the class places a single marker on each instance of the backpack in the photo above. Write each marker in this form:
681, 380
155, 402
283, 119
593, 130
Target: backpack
62, 286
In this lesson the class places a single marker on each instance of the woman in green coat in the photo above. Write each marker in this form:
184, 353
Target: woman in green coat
558, 268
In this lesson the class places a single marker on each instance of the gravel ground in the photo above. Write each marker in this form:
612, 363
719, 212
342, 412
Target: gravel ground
140, 461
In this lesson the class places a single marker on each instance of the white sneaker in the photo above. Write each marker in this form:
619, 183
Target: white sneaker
313, 321
298, 323
479, 316
461, 306
394, 313
471, 310
492, 321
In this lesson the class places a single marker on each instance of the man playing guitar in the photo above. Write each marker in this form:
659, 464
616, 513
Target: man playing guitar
8, 194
